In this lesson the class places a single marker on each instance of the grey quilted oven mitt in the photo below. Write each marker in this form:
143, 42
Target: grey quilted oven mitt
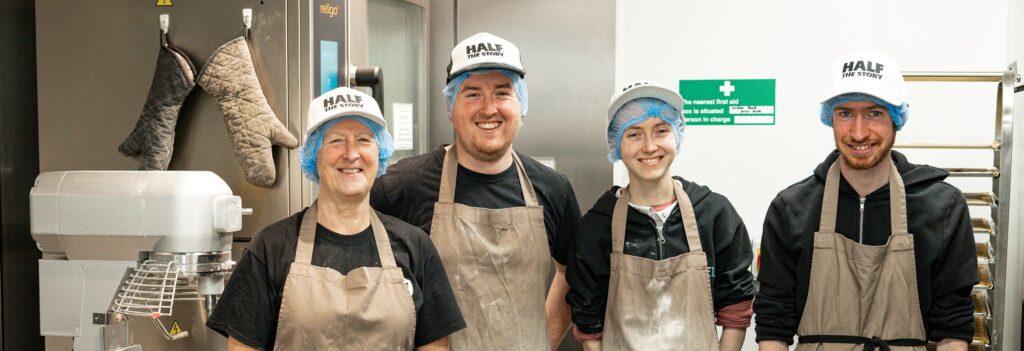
152, 140
230, 77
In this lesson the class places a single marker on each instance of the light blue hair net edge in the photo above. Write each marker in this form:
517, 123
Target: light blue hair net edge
652, 108
309, 150
899, 114
451, 90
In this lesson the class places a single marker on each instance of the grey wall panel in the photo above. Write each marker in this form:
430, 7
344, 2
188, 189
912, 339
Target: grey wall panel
19, 165
95, 64
442, 39
568, 50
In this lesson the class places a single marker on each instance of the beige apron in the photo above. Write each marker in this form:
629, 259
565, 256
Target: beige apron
862, 297
659, 305
497, 261
322, 309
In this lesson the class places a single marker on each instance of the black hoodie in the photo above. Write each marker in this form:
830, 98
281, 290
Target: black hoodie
722, 235
944, 250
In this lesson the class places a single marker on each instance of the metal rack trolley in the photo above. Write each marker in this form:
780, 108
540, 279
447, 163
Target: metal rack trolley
989, 296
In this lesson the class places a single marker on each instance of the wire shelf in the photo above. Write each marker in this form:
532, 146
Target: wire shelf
149, 291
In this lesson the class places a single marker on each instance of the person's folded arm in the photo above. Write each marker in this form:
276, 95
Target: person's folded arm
952, 312
775, 304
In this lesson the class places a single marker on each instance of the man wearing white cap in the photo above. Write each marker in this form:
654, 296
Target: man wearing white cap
496, 216
872, 251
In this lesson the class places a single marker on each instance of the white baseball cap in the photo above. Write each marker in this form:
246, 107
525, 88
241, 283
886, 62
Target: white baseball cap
342, 102
641, 89
867, 72
484, 50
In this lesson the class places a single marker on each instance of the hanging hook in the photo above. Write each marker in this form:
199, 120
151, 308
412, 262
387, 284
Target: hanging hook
247, 20
165, 23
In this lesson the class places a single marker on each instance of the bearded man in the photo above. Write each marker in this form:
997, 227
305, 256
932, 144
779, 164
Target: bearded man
871, 251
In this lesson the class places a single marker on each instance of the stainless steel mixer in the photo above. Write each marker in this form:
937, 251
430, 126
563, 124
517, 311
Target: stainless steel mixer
123, 247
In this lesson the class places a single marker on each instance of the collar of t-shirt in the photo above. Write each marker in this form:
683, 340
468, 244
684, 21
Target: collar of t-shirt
659, 213
360, 238
487, 178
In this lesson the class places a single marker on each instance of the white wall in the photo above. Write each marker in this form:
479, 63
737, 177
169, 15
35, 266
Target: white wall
795, 42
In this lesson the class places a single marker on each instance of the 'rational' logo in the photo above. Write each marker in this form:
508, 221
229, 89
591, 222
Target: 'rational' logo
863, 69
483, 49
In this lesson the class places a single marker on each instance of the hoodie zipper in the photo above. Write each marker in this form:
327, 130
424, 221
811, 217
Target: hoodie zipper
860, 227
661, 241
659, 227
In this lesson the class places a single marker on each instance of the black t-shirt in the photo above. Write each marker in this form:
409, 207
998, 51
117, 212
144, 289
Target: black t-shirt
248, 309
410, 189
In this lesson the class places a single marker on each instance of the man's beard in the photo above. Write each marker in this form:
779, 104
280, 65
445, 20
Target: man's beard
863, 163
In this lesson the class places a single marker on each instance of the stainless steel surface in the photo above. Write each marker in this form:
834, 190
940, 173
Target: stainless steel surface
73, 291
995, 145
87, 111
994, 238
190, 316
1001, 215
191, 264
981, 199
117, 335
149, 290
397, 34
441, 38
973, 172
19, 164
993, 76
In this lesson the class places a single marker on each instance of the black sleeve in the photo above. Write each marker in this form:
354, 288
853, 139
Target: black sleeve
775, 306
247, 309
587, 274
379, 197
952, 311
439, 316
566, 226
733, 282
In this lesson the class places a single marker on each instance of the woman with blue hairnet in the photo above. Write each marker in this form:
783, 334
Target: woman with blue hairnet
660, 262
339, 275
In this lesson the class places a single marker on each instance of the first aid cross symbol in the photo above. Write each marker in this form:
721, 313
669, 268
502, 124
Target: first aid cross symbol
727, 88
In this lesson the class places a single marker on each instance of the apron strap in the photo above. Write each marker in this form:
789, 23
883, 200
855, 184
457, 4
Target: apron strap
446, 193
870, 344
897, 201
529, 195
380, 235
685, 211
689, 218
830, 200
307, 236
449, 172
619, 221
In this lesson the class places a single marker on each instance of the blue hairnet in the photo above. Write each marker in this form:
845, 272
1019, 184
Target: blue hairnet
635, 112
899, 114
308, 151
518, 83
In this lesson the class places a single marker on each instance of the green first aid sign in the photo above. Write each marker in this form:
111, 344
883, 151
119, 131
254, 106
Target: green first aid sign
728, 102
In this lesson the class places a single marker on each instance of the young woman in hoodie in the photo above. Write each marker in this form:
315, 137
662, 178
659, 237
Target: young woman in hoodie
658, 263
